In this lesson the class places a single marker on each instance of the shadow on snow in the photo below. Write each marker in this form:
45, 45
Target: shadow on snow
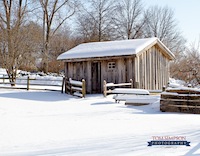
38, 96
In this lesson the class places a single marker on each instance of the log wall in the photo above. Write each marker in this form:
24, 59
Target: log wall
180, 102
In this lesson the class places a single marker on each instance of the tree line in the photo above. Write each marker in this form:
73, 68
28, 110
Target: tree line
34, 32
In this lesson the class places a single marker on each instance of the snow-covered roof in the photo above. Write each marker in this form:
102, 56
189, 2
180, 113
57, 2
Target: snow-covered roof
112, 48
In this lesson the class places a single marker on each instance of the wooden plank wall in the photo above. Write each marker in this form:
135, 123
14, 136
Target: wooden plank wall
123, 72
152, 69
79, 71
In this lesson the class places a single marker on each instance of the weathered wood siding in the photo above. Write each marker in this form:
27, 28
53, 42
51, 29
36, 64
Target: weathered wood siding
152, 69
123, 72
79, 71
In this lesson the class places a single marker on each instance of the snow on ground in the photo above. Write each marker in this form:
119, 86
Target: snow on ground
2, 72
43, 123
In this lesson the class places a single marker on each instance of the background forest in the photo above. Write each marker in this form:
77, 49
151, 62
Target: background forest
34, 32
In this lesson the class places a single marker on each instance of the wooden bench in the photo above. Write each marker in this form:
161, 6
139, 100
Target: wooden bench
121, 93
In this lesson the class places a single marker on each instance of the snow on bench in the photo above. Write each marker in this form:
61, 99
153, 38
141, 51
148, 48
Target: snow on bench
120, 92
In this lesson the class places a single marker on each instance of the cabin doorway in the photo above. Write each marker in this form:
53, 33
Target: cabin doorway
96, 77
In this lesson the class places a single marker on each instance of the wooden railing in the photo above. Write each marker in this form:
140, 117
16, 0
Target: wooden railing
73, 87
28, 83
106, 86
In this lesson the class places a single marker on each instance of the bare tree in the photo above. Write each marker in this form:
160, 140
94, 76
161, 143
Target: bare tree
160, 22
128, 19
13, 45
55, 13
188, 68
32, 33
94, 21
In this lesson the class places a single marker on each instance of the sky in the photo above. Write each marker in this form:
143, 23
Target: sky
187, 15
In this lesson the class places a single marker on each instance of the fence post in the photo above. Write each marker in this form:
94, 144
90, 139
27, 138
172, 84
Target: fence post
3, 79
104, 88
63, 83
131, 81
83, 88
28, 82
70, 86
163, 88
66, 83
136, 85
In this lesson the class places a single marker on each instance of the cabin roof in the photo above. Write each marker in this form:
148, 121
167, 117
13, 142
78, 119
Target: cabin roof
113, 48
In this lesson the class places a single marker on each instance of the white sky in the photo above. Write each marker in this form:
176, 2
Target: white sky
187, 14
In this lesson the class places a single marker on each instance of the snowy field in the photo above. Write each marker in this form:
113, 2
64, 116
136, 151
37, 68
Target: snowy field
44, 123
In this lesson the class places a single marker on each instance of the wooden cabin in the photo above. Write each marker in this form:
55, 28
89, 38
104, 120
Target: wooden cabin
145, 61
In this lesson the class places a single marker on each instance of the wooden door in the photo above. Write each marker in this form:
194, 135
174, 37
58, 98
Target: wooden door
96, 77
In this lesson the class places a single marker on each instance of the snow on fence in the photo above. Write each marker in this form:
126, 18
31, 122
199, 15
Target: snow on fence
185, 100
28, 83
106, 86
74, 87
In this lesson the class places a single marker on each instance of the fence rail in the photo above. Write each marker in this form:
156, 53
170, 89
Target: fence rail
28, 82
107, 85
73, 87
180, 100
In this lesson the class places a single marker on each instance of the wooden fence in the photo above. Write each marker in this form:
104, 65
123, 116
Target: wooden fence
73, 87
107, 86
28, 83
180, 100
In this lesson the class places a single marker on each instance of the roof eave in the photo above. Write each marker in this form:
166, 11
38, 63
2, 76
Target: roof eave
97, 58
170, 55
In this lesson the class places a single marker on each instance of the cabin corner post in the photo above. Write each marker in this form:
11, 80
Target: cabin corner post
137, 73
104, 88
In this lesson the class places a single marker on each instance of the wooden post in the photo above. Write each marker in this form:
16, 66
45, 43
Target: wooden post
28, 82
83, 88
63, 84
136, 85
104, 88
131, 81
70, 86
3, 79
163, 88
66, 83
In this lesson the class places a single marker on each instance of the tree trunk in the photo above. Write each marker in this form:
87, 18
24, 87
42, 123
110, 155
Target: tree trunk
12, 73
